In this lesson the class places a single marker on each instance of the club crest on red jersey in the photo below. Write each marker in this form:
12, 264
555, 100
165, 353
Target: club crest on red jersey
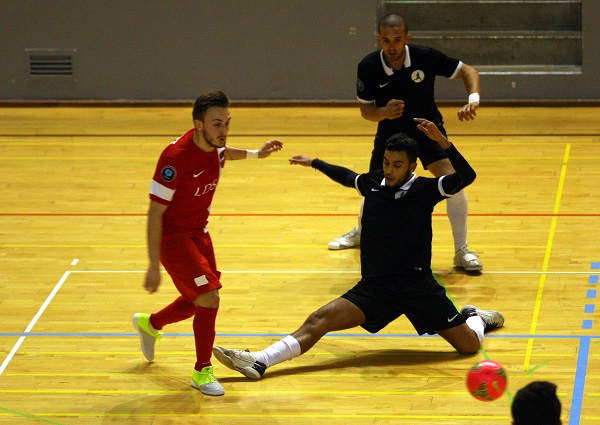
168, 173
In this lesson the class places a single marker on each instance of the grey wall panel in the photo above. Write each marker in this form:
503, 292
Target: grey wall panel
304, 49
262, 49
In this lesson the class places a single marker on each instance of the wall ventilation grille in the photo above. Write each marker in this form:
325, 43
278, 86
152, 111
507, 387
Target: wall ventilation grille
50, 65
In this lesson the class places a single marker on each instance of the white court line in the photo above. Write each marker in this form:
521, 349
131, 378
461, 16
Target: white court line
342, 272
33, 321
236, 271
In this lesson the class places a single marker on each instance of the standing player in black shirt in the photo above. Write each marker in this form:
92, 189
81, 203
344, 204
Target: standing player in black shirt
395, 85
395, 259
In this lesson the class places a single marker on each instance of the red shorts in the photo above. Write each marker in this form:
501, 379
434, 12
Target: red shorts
189, 258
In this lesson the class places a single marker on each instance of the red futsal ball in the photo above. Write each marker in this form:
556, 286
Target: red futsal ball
486, 381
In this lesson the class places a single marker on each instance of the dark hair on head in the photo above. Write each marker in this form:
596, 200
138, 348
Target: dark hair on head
400, 142
536, 404
208, 100
392, 20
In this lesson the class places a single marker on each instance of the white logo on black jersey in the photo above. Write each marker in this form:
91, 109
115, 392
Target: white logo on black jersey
400, 194
418, 76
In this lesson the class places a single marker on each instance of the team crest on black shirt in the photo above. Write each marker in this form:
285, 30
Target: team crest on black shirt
168, 173
400, 194
359, 85
417, 76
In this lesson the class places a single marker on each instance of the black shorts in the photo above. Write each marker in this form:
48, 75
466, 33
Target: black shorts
429, 150
418, 296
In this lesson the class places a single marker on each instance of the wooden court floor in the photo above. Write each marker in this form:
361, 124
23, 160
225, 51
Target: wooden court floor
74, 184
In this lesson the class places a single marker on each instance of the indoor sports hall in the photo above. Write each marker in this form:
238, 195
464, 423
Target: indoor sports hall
79, 145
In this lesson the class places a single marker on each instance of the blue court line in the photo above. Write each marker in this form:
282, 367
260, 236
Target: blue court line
261, 335
591, 294
580, 374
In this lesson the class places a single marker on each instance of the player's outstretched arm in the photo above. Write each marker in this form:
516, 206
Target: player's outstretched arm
433, 132
304, 160
269, 147
341, 175
233, 153
464, 175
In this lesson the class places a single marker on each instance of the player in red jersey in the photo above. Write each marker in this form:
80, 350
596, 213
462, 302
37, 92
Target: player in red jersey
181, 194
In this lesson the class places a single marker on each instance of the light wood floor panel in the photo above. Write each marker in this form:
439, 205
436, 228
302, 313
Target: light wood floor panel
74, 184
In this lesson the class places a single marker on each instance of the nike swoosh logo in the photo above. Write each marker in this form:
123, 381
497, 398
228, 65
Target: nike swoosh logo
374, 190
198, 175
383, 85
452, 318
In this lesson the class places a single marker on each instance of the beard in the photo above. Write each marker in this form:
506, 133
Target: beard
400, 181
213, 141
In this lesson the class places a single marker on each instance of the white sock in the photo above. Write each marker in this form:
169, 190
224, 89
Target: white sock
457, 209
478, 325
284, 349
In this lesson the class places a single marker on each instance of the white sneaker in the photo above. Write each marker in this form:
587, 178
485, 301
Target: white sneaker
349, 240
467, 259
492, 319
240, 361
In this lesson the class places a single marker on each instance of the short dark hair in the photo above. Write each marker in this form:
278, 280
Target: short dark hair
536, 404
208, 100
400, 142
392, 20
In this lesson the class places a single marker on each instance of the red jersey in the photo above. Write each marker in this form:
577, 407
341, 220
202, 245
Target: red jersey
185, 180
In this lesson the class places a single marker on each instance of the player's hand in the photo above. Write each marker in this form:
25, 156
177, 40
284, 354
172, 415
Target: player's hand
152, 280
394, 109
433, 132
468, 112
304, 160
269, 147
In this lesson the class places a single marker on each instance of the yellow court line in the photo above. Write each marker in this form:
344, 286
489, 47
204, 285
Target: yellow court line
88, 391
542, 284
263, 415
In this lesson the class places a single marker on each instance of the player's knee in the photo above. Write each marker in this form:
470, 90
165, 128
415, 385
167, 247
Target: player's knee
316, 320
209, 299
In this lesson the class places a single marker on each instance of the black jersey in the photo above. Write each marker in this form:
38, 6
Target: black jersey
396, 228
414, 84
396, 224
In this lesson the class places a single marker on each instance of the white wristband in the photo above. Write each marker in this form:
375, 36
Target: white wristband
251, 154
474, 97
